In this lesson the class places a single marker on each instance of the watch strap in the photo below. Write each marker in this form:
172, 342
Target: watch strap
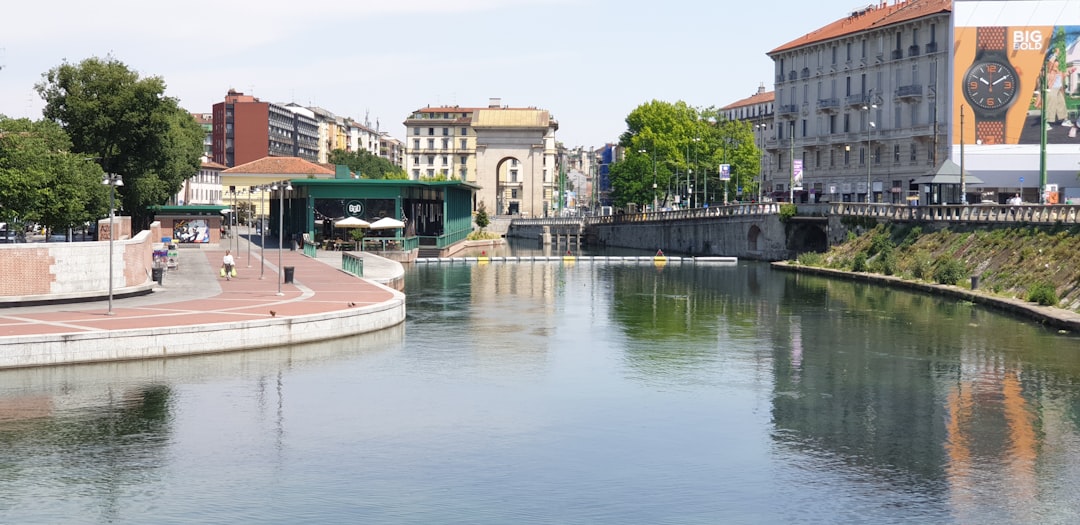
990, 131
990, 39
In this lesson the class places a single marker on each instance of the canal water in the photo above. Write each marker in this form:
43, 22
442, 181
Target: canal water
575, 393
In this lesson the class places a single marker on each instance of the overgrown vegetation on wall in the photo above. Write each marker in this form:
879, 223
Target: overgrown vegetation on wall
1029, 263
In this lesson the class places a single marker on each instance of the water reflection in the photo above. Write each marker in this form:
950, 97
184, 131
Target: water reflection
611, 393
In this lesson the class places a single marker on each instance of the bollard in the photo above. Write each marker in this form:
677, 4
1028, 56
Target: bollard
974, 282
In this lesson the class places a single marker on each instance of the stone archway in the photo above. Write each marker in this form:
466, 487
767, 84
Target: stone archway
807, 237
511, 177
509, 186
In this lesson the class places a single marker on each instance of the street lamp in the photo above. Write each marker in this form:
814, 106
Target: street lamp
281, 227
250, 190
869, 127
761, 160
112, 180
655, 203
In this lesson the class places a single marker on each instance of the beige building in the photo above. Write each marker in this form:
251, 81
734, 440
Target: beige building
863, 104
509, 152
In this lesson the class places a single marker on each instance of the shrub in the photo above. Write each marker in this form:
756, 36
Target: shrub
1043, 293
885, 263
912, 236
920, 266
879, 243
810, 259
859, 263
949, 271
787, 211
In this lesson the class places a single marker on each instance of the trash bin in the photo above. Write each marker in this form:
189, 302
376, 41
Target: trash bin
974, 282
289, 270
157, 274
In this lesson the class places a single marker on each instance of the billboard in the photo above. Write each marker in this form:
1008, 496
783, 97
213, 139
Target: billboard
1002, 50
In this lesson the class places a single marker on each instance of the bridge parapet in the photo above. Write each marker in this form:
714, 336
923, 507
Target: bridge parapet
980, 213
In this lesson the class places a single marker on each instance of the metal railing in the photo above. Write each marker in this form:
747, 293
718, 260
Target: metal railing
353, 264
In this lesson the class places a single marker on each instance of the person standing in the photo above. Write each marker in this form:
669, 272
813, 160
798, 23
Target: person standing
227, 264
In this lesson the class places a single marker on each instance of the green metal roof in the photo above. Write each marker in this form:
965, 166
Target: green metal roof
198, 209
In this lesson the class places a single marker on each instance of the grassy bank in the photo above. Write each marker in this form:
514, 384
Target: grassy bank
1040, 265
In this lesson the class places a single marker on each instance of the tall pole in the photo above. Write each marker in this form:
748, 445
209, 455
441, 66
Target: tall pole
791, 181
113, 180
869, 156
262, 232
281, 234
251, 189
1042, 140
963, 187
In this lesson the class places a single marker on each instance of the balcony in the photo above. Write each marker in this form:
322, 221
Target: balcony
910, 92
828, 105
857, 100
792, 75
913, 51
787, 110
805, 72
931, 48
897, 54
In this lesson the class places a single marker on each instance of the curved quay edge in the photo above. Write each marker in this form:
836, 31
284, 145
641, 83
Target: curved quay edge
160, 342
1049, 316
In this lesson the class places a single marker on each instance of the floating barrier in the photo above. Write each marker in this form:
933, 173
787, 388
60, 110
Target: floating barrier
637, 259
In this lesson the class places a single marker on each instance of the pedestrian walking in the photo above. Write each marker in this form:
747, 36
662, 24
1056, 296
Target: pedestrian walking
227, 264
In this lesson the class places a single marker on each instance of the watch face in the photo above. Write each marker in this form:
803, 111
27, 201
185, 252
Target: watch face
990, 85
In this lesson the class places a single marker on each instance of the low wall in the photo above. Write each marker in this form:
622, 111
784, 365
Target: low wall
149, 343
73, 271
749, 237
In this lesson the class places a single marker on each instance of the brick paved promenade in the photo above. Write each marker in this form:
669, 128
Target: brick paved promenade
196, 311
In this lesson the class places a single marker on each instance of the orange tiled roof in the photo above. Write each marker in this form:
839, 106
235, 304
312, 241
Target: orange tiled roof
873, 17
756, 98
279, 166
211, 165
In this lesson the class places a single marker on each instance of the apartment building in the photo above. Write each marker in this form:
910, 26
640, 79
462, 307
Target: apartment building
757, 110
509, 152
202, 189
246, 129
861, 105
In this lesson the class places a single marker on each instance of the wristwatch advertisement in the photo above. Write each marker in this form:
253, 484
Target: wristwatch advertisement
990, 85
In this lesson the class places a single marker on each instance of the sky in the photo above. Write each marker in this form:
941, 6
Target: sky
589, 62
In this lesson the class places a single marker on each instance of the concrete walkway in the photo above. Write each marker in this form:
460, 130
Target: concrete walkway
196, 311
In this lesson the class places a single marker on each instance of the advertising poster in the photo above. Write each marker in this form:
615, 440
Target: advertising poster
191, 231
1002, 52
796, 175
725, 172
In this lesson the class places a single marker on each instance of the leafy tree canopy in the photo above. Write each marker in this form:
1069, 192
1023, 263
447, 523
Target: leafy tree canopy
667, 142
366, 165
43, 181
128, 125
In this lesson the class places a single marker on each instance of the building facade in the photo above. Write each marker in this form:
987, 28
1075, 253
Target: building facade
861, 106
757, 110
246, 129
202, 189
509, 152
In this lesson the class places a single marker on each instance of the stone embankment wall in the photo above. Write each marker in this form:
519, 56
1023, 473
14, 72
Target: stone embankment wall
70, 271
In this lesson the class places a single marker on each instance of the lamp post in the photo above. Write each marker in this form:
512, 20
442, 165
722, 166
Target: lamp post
655, 203
869, 127
251, 189
761, 160
262, 233
112, 180
281, 228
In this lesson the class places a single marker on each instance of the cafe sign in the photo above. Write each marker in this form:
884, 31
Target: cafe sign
354, 208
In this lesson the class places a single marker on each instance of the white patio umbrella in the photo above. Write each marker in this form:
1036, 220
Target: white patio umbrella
351, 222
387, 223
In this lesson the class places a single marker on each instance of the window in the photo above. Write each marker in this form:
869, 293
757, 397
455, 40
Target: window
817, 159
416, 159
430, 173
914, 153
832, 124
431, 131
464, 143
877, 155
804, 127
445, 160
896, 153
832, 158
445, 143
847, 123
464, 131
445, 132
862, 155
416, 143
416, 131
431, 143
513, 175
431, 160
847, 155
416, 174
464, 160
513, 194
848, 46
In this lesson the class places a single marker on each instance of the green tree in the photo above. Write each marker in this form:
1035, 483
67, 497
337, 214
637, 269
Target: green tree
43, 181
128, 125
685, 142
366, 165
482, 219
